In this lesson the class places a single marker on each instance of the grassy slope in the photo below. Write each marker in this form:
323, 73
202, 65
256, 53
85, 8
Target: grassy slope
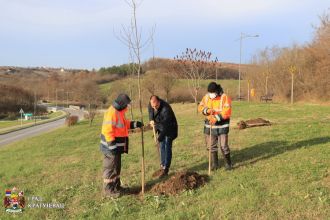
282, 171
230, 86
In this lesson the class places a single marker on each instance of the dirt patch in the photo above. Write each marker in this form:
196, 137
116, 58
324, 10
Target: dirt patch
253, 123
157, 173
179, 182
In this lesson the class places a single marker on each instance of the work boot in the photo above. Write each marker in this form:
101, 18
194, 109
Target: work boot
109, 191
228, 164
214, 161
119, 188
111, 194
164, 173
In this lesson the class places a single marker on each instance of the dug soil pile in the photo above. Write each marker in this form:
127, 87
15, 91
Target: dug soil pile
253, 123
179, 182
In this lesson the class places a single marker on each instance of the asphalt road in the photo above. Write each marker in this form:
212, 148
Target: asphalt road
36, 130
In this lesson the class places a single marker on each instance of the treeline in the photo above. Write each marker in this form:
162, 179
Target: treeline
163, 65
271, 68
13, 99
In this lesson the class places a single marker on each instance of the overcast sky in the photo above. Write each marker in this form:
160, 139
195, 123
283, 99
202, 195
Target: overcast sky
80, 33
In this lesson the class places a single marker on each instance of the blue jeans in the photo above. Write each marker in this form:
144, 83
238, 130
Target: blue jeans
166, 152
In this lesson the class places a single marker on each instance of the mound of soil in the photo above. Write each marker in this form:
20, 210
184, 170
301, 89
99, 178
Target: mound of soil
253, 123
179, 182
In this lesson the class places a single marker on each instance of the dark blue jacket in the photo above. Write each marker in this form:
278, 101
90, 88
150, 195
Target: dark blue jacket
165, 120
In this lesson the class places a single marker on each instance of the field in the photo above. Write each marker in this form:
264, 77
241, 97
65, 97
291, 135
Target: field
281, 171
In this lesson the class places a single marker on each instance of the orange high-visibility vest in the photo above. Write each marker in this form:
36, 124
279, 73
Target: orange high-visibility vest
115, 125
222, 107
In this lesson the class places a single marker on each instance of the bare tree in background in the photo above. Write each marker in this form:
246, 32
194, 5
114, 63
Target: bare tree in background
131, 37
195, 65
90, 96
167, 80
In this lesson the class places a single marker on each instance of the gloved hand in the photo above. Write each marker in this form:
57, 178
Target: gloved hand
152, 123
139, 124
218, 117
212, 120
136, 124
210, 111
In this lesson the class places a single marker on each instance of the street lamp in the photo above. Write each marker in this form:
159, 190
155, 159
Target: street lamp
243, 36
56, 90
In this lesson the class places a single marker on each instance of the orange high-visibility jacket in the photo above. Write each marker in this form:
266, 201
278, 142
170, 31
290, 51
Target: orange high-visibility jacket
115, 129
222, 107
115, 124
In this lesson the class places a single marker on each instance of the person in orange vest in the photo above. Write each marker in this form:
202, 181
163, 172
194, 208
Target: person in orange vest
216, 106
114, 142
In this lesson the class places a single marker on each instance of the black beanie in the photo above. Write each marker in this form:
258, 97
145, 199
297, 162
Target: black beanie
219, 89
212, 87
121, 102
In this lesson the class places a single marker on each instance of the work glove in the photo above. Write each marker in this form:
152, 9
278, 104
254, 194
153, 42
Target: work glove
212, 120
139, 124
208, 111
218, 117
152, 123
136, 124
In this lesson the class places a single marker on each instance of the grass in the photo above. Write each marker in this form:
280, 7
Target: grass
282, 171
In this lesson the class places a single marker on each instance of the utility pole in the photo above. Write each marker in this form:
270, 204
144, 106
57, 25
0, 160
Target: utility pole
67, 99
248, 92
35, 107
56, 97
243, 36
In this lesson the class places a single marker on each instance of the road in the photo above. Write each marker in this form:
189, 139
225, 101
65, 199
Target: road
36, 130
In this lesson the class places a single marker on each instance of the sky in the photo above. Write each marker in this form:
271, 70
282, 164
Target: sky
82, 33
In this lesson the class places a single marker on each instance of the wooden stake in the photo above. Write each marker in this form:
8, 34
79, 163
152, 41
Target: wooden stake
292, 88
156, 142
210, 144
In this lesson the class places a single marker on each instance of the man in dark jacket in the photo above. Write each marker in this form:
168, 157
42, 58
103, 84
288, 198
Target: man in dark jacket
163, 118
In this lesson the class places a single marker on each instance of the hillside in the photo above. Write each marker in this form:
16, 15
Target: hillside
281, 171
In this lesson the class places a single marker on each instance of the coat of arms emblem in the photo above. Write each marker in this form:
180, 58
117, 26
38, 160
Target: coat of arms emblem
14, 200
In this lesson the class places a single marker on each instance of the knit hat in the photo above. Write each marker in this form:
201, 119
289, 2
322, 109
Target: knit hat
219, 89
212, 87
121, 102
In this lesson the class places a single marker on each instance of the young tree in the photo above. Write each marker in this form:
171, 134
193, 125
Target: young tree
167, 82
131, 36
89, 95
194, 65
149, 83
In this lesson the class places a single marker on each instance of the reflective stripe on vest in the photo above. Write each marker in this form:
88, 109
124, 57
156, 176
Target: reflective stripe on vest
217, 126
114, 146
118, 124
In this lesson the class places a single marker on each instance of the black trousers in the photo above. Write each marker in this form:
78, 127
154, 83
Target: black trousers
111, 171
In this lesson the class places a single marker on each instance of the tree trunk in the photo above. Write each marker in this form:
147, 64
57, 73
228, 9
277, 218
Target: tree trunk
89, 115
196, 96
